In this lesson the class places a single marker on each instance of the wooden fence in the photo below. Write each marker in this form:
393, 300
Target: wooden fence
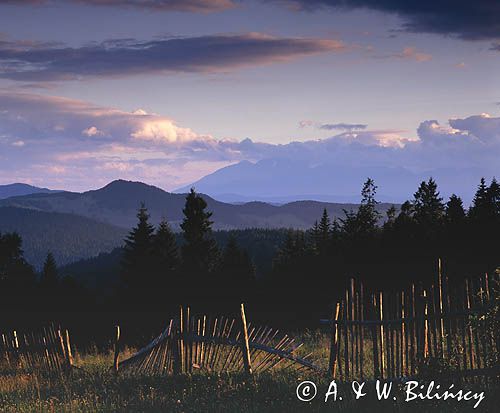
47, 350
373, 335
214, 344
394, 335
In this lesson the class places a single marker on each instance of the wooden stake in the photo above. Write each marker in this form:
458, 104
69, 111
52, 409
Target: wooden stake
376, 368
426, 326
440, 282
181, 339
117, 349
334, 342
246, 346
69, 355
381, 314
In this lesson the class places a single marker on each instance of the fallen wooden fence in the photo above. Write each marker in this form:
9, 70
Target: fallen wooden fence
382, 335
46, 350
216, 344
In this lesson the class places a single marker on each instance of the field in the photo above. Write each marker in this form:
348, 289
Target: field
92, 387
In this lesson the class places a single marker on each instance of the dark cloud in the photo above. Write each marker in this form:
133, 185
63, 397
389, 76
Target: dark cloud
38, 62
466, 19
200, 6
342, 126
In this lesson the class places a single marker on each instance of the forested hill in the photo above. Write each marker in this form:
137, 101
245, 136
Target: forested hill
7, 191
69, 237
117, 204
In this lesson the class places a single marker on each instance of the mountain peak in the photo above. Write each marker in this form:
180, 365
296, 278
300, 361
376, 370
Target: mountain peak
122, 185
20, 189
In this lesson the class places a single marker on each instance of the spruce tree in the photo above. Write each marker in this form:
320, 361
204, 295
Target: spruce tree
166, 254
324, 233
367, 215
455, 213
480, 204
49, 278
199, 252
493, 195
428, 205
390, 217
15, 272
138, 252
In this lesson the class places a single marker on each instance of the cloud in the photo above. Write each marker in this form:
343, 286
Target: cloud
413, 54
465, 19
342, 126
77, 145
92, 131
332, 126
112, 58
305, 123
200, 6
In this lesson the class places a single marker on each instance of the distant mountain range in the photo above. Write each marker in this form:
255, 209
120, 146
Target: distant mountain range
117, 204
7, 191
81, 225
281, 180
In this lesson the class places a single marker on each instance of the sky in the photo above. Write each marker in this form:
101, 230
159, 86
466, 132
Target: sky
168, 91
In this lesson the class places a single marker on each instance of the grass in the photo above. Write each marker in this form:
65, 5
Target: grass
93, 388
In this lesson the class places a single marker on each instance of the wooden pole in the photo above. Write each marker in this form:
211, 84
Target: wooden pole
346, 338
181, 339
361, 329
246, 346
117, 349
334, 342
412, 335
374, 329
426, 325
469, 328
475, 336
69, 355
440, 282
381, 314
404, 349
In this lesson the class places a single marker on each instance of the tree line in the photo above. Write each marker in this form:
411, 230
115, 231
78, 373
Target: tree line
158, 270
313, 265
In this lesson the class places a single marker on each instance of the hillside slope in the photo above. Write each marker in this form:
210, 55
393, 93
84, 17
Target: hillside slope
69, 237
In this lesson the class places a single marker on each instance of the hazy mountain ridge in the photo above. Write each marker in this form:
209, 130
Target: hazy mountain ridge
279, 180
20, 189
117, 204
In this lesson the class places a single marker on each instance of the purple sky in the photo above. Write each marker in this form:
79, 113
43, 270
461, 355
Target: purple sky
167, 91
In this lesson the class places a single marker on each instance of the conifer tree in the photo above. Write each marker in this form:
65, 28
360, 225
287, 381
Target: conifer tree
428, 205
480, 204
49, 278
493, 195
199, 252
455, 213
315, 235
324, 233
367, 215
15, 272
138, 251
166, 253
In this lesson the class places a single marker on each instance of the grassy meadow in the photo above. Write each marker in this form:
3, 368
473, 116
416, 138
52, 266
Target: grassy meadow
92, 387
